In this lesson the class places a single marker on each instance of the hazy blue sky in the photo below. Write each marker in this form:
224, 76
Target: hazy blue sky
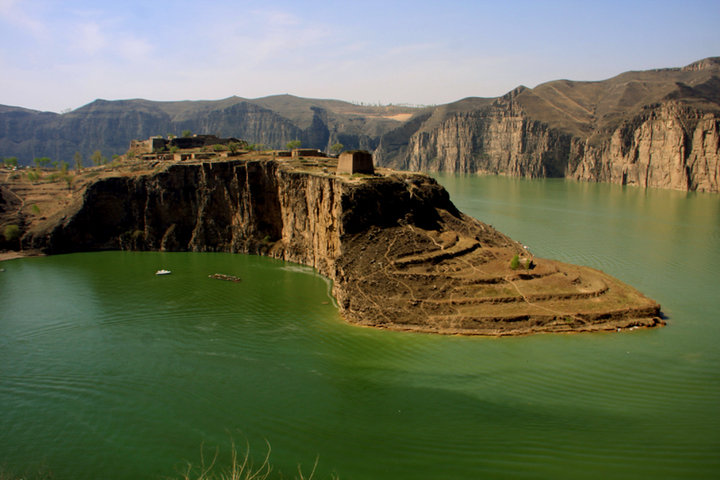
56, 55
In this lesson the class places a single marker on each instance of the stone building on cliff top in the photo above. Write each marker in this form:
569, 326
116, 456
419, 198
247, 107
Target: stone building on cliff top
358, 161
158, 144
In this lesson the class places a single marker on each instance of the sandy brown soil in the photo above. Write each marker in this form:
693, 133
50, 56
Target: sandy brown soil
451, 282
29, 203
12, 254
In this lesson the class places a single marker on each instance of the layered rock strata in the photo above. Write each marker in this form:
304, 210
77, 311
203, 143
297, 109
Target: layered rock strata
671, 146
658, 128
399, 253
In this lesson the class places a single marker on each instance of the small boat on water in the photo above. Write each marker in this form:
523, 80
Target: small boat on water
222, 276
163, 272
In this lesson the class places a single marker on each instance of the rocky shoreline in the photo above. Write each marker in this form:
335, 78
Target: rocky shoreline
399, 253
13, 255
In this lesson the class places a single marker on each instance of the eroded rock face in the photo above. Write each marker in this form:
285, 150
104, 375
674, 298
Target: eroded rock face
655, 128
236, 206
498, 140
399, 253
670, 146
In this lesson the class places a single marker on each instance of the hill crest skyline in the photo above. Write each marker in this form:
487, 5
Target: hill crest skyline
707, 63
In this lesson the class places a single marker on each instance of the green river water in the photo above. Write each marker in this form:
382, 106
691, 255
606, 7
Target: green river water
110, 372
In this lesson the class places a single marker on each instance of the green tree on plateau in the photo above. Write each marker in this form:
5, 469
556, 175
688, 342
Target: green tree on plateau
69, 179
78, 160
97, 158
11, 233
33, 175
337, 148
186, 133
293, 144
42, 161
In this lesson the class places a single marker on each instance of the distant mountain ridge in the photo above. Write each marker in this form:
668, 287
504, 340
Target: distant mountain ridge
110, 125
656, 128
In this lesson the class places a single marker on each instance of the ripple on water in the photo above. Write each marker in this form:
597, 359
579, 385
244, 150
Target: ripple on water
142, 361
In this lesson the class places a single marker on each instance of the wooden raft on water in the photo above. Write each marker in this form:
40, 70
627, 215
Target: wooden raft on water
222, 276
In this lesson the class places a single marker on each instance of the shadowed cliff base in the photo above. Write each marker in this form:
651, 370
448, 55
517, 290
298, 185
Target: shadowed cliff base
400, 254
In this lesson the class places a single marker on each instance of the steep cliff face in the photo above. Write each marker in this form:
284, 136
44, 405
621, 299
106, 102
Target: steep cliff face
399, 253
500, 139
668, 146
253, 206
240, 206
655, 128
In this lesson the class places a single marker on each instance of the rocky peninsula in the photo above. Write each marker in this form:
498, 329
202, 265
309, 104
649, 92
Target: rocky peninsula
399, 253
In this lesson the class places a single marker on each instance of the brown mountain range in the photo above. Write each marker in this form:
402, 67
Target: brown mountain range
655, 128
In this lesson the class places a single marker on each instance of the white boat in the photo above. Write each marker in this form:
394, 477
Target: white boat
163, 272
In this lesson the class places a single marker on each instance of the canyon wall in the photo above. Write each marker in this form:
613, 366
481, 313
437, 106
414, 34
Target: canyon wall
255, 207
248, 207
654, 128
668, 146
498, 140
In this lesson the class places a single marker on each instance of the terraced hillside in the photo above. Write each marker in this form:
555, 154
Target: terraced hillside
460, 281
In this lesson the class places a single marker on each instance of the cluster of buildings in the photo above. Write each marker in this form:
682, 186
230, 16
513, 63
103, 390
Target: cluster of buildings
204, 147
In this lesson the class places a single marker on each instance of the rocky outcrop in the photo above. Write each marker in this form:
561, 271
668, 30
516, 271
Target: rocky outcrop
253, 206
399, 253
235, 206
656, 128
499, 139
668, 146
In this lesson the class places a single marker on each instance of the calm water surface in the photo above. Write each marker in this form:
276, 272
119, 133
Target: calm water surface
107, 371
